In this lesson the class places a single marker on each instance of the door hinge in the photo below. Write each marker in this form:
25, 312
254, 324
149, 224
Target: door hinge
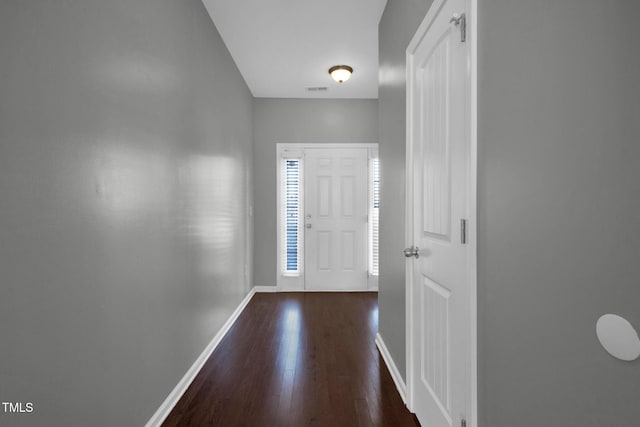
460, 19
463, 231
463, 423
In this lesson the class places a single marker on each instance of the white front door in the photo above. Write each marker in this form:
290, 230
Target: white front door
439, 153
336, 205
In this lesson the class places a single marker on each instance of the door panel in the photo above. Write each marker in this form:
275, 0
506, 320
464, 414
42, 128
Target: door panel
349, 245
336, 185
434, 98
434, 347
347, 189
323, 250
323, 190
439, 152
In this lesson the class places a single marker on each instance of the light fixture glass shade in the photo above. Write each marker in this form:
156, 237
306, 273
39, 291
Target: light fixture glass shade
340, 73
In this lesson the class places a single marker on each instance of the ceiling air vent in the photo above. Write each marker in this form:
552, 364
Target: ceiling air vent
317, 89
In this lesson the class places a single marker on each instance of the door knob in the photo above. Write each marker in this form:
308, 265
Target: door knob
308, 225
412, 251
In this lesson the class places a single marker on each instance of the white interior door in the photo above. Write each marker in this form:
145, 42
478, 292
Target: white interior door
439, 149
336, 205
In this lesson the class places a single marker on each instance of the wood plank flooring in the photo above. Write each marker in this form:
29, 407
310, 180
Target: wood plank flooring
297, 359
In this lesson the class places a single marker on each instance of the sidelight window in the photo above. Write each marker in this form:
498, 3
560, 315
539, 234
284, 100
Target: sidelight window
291, 256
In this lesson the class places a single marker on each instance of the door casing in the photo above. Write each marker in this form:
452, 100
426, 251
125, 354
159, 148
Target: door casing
471, 9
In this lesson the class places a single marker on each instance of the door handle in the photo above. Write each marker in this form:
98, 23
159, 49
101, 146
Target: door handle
412, 251
308, 225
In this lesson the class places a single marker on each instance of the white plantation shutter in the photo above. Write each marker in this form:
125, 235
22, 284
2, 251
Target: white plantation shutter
374, 217
291, 215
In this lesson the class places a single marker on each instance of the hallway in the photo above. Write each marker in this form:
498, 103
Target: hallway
139, 190
294, 359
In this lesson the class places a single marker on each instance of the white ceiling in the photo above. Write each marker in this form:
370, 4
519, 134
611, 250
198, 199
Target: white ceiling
284, 46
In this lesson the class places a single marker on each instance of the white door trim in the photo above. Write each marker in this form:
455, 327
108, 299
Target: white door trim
472, 37
287, 283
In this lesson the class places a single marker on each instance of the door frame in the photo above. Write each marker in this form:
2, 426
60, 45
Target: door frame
297, 283
471, 10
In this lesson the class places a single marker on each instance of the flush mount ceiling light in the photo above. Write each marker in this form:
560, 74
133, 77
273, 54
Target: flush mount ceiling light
340, 73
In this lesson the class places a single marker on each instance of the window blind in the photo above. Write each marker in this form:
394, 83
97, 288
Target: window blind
291, 212
374, 223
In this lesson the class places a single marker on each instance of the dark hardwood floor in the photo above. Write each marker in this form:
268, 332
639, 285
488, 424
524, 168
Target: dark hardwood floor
297, 359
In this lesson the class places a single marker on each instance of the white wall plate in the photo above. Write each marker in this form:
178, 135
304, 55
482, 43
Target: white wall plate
618, 337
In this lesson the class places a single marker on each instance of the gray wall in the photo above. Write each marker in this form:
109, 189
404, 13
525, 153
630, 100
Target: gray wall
125, 151
559, 196
399, 23
559, 233
297, 121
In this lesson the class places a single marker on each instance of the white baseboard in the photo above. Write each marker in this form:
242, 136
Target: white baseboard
393, 369
267, 289
339, 290
165, 409
298, 289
